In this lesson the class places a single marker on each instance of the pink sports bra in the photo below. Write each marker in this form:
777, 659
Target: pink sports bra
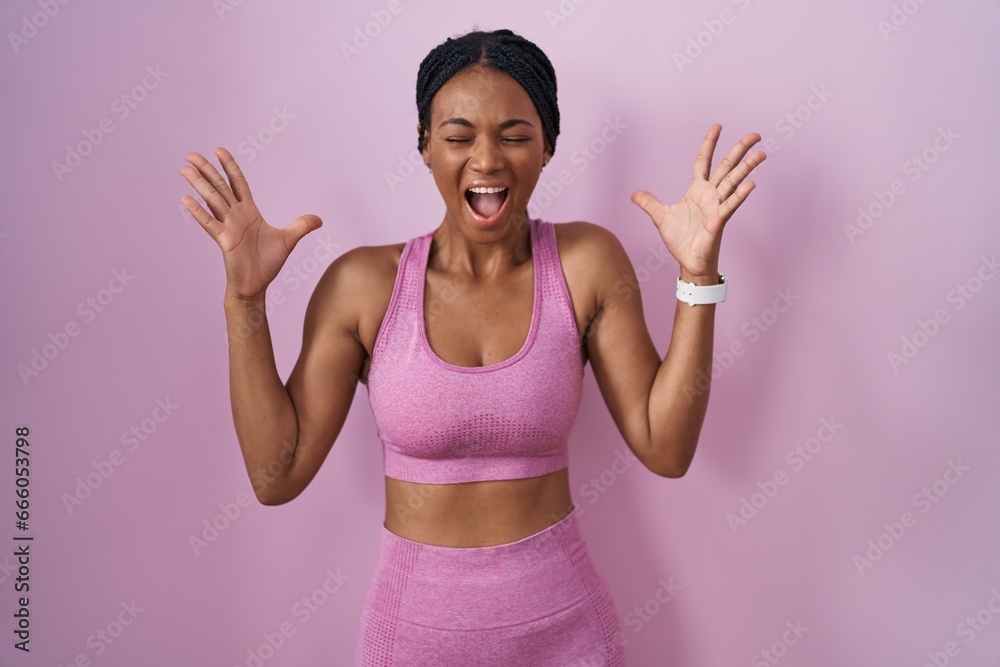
441, 423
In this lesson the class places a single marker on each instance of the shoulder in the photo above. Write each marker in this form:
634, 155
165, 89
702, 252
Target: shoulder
355, 289
356, 278
591, 250
584, 236
365, 268
595, 265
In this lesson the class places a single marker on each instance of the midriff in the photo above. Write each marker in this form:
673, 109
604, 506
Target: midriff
476, 514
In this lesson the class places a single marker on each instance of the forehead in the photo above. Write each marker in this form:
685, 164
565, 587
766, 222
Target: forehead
485, 94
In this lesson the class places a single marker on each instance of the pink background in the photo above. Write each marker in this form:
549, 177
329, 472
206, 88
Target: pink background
350, 121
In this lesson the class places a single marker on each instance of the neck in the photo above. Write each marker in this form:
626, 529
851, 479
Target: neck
459, 248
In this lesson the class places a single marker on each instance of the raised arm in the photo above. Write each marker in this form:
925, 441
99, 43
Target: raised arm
285, 432
659, 405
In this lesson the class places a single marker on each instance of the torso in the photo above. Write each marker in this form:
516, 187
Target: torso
471, 325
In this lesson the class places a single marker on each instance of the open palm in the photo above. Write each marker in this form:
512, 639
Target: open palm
692, 228
253, 251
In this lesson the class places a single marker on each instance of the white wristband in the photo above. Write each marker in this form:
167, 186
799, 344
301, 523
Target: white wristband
692, 294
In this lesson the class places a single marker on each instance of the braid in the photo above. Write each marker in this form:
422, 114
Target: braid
501, 50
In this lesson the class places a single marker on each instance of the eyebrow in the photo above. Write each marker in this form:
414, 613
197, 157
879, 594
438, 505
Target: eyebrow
503, 126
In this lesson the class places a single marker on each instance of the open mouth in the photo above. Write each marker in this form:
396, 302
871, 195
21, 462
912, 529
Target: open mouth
486, 203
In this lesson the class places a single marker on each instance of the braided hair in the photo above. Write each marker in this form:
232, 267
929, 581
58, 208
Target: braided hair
501, 50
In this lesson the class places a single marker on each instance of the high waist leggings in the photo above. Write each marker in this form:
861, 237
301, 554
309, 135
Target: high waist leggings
539, 601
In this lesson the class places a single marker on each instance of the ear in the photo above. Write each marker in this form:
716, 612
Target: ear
425, 153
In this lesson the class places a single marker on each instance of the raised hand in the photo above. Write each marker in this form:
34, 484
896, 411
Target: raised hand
253, 251
692, 228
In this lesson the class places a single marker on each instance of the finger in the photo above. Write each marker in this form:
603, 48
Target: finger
301, 226
733, 157
703, 163
732, 203
216, 203
239, 182
213, 176
736, 176
204, 218
647, 201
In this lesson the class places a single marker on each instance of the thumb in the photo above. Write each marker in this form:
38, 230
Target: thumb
301, 226
647, 201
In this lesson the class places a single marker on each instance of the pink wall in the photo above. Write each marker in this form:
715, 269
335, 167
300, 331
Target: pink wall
848, 95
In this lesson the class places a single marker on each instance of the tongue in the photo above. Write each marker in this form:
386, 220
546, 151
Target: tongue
486, 205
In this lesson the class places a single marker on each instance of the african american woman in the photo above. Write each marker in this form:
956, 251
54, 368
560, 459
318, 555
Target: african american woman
472, 340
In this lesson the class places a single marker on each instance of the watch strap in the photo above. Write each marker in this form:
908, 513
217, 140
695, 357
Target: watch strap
694, 295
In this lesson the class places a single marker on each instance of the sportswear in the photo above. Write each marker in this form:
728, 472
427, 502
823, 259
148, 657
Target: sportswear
441, 423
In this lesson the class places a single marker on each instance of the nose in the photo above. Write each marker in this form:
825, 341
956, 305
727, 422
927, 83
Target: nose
486, 156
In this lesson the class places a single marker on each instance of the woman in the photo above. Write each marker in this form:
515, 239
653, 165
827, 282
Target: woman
471, 340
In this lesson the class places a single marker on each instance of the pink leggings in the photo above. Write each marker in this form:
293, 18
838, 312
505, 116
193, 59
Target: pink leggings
537, 601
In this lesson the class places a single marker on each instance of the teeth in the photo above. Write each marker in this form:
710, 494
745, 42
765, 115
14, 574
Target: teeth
487, 191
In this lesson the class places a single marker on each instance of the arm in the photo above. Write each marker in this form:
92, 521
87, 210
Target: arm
649, 397
287, 431
659, 405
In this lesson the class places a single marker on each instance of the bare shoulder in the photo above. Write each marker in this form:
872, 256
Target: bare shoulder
360, 282
366, 269
594, 263
593, 255
588, 239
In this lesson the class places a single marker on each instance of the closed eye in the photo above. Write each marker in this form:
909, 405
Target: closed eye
513, 140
